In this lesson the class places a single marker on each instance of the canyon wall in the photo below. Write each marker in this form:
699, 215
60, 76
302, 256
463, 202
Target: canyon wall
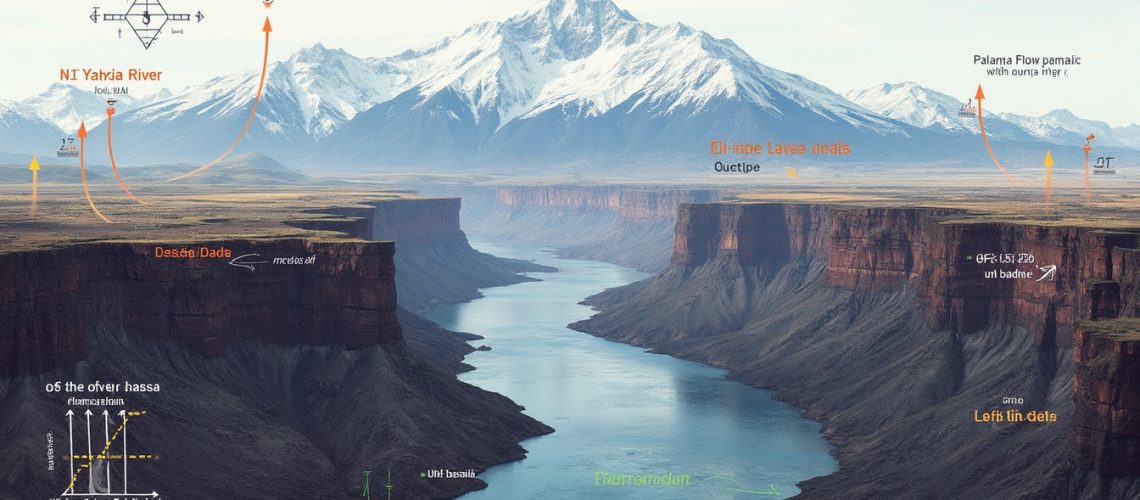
635, 204
293, 366
417, 220
749, 234
882, 323
934, 252
1106, 438
630, 226
435, 264
346, 296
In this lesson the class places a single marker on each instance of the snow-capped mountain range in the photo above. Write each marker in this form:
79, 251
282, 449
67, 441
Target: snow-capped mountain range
66, 106
22, 130
922, 107
574, 82
41, 121
565, 80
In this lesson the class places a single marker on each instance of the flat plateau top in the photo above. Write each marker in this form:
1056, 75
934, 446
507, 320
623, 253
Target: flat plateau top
1123, 330
64, 217
1106, 209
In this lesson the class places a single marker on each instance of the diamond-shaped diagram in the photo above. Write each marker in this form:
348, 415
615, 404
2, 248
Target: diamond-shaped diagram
146, 18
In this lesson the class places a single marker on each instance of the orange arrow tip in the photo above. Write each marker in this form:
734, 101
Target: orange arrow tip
980, 95
268, 27
1048, 158
82, 130
34, 166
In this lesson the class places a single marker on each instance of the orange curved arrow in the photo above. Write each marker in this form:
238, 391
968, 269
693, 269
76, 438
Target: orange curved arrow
83, 172
267, 28
111, 153
1088, 182
982, 127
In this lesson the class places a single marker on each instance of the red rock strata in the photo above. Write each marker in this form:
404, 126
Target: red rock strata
345, 296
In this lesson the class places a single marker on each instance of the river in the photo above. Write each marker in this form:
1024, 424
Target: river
628, 423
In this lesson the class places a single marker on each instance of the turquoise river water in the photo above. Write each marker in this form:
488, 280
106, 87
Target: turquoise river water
628, 423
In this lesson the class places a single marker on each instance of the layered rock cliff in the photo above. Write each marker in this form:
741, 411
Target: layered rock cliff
435, 264
936, 252
297, 422
634, 204
631, 226
884, 324
1106, 438
291, 368
345, 296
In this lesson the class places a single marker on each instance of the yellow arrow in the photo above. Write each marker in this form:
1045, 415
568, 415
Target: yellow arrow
1048, 175
792, 173
34, 166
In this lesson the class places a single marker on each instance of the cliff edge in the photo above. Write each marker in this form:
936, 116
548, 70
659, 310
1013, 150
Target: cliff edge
893, 326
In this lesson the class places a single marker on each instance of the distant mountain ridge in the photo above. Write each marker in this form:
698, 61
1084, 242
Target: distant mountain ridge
584, 80
67, 106
24, 131
37, 124
581, 84
565, 80
929, 109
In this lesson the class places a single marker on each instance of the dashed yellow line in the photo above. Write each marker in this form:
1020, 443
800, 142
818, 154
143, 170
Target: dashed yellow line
111, 457
90, 459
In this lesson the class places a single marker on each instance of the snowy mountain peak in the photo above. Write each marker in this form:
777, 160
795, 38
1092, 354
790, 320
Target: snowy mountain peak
164, 93
317, 53
915, 105
16, 109
572, 28
23, 131
312, 93
922, 107
557, 66
587, 57
1060, 114
570, 14
1061, 126
67, 105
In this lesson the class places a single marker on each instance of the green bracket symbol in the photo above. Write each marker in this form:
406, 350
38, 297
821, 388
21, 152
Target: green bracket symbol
735, 486
388, 486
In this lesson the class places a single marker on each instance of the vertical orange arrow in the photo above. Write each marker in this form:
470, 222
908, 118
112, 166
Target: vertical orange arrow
111, 153
267, 28
1088, 182
34, 166
982, 127
83, 171
1048, 177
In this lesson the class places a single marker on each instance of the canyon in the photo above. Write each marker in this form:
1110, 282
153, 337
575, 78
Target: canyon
435, 264
626, 225
298, 374
879, 321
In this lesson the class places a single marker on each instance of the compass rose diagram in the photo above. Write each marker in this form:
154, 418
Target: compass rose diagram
146, 19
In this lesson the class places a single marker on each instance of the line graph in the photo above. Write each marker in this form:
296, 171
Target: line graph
98, 466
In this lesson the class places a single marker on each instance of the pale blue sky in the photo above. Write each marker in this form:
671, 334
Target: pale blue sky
840, 43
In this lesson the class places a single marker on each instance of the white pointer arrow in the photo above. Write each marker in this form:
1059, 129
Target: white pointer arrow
238, 262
